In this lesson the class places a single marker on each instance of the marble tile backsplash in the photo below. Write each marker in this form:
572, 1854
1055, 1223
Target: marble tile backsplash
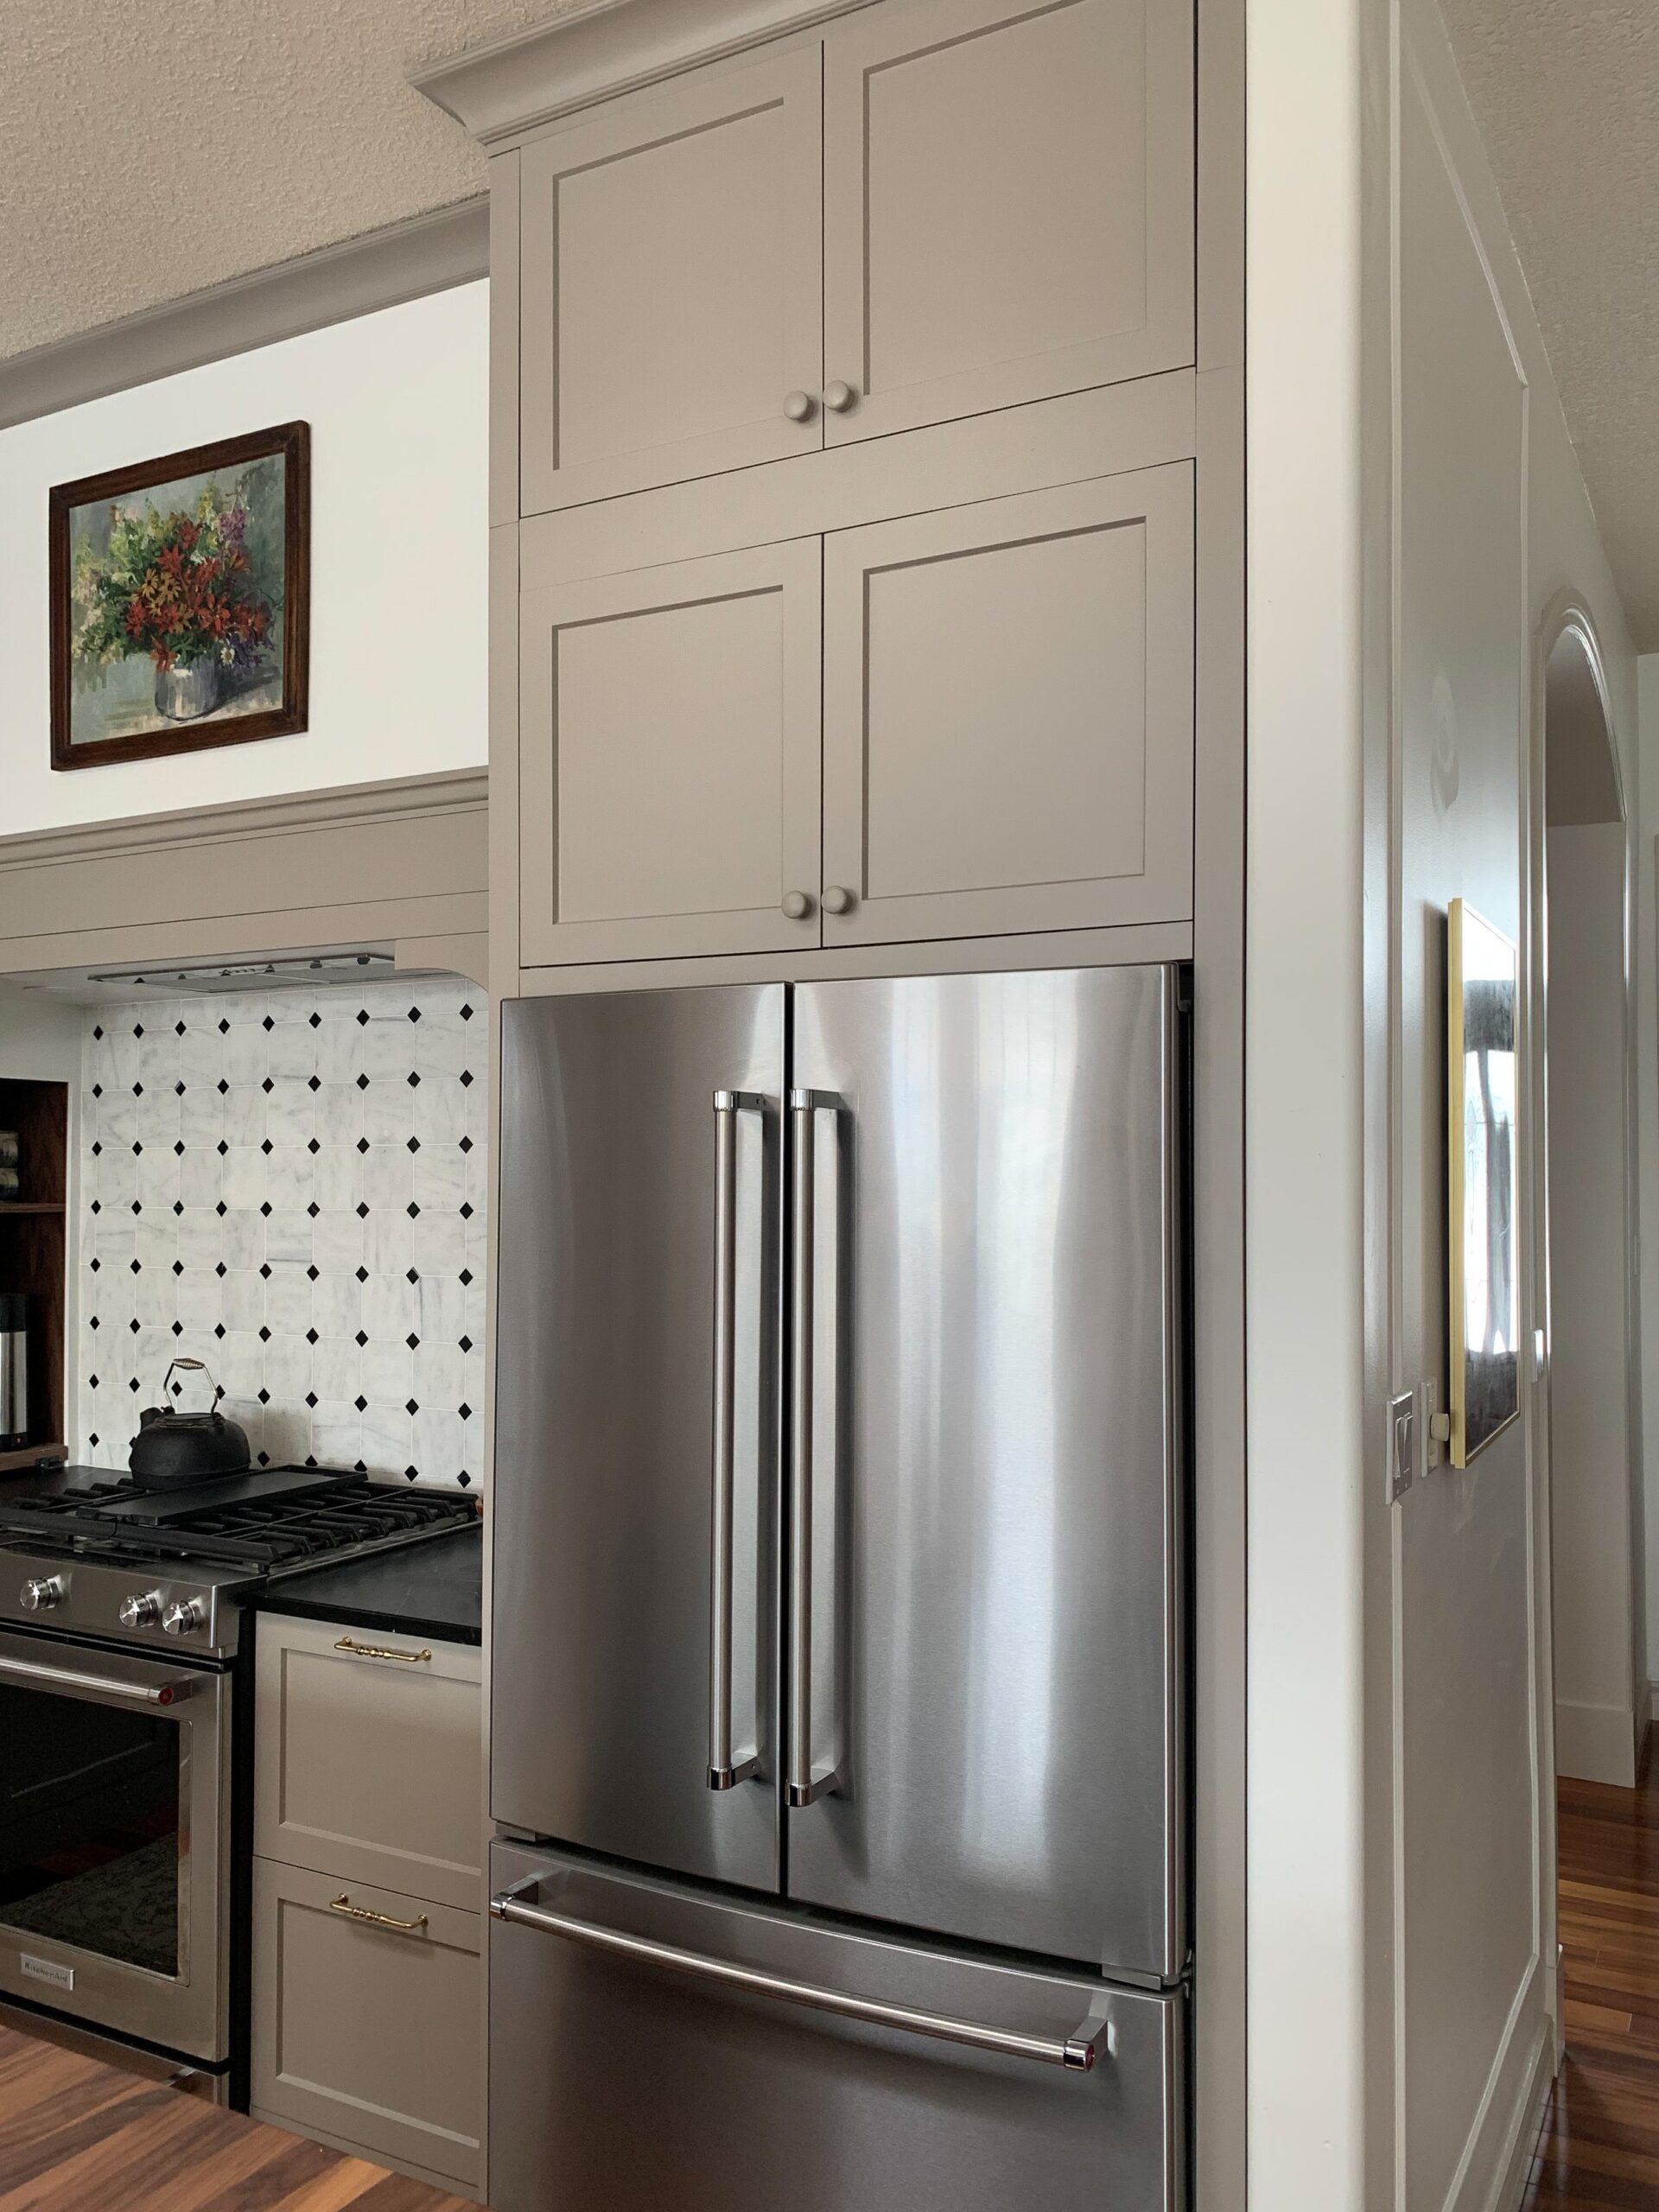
292, 1186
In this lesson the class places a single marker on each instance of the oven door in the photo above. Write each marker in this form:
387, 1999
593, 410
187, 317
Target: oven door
114, 1840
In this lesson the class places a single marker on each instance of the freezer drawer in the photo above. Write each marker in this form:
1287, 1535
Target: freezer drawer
638, 2082
637, 1351
986, 1462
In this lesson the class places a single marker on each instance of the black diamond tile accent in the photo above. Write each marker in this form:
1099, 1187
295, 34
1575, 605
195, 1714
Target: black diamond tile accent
220, 1268
414, 1275
223, 1148
264, 1400
414, 1144
466, 1411
178, 1149
178, 1029
94, 1321
466, 1014
265, 1271
137, 1149
314, 1208
411, 1408
137, 1205
464, 1479
413, 1013
264, 1207
411, 1474
466, 1210
362, 1083
221, 1208
263, 1458
178, 1090
97, 1206
97, 1091
315, 1146
95, 1265
268, 1023
466, 1278
178, 1328
265, 1336
310, 1397
92, 1439
133, 1385
414, 1080
466, 1343
362, 1404
178, 1205
361, 1339
267, 1146
219, 1328
362, 1144
466, 1144
310, 1461
414, 1211
311, 1338
465, 1079
178, 1267
135, 1266
223, 1086
362, 1020
94, 1385
313, 1273
267, 1084
413, 1343
362, 1274
96, 1148
314, 1082
359, 1467
316, 1021
98, 1033
223, 1028
137, 1089
138, 1028
362, 1212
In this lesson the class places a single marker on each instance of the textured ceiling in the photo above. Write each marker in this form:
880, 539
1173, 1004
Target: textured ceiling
1567, 95
149, 148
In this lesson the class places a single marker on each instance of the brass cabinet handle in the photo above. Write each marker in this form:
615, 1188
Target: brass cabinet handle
343, 1905
380, 1652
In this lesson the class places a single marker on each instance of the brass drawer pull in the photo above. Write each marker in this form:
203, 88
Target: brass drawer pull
381, 1651
343, 1905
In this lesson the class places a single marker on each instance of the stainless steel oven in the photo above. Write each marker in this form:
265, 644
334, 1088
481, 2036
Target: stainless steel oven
115, 1848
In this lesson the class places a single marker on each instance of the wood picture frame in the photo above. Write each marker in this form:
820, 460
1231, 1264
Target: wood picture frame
1483, 1181
257, 678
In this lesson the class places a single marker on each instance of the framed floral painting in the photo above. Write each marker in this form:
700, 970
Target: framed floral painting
180, 600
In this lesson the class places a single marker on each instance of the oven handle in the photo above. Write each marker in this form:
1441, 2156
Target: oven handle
73, 1679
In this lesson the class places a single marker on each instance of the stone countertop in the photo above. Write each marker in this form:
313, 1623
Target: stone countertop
435, 1588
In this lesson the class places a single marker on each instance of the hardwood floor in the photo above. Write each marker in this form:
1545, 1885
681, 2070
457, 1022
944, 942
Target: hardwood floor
1600, 2144
76, 2136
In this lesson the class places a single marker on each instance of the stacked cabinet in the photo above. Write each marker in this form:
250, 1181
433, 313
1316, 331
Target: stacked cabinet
854, 544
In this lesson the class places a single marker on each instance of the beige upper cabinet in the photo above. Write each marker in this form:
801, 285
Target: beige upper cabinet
1008, 204
1007, 714
668, 752
672, 284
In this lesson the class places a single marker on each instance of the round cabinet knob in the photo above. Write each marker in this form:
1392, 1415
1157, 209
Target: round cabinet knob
139, 1612
184, 1617
798, 407
797, 905
837, 901
39, 1595
840, 396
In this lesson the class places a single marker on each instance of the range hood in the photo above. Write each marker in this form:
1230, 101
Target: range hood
256, 974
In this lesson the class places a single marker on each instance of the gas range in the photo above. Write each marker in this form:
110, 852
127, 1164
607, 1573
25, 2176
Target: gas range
84, 1552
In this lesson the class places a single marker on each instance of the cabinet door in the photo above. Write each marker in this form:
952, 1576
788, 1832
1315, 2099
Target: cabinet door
669, 735
1007, 204
367, 2024
1008, 715
672, 284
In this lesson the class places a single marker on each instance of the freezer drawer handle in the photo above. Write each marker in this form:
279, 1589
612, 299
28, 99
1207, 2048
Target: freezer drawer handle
95, 1686
802, 1787
724, 1772
1075, 2053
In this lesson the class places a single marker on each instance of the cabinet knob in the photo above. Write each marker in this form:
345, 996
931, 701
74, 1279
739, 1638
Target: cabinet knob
797, 905
835, 900
840, 396
798, 407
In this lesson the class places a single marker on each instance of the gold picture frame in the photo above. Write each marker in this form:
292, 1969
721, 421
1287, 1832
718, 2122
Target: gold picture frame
1483, 1181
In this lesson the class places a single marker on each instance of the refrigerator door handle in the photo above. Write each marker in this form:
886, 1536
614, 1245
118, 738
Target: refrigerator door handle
1075, 2053
802, 1787
725, 1773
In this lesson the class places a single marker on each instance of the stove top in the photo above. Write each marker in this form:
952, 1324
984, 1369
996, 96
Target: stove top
83, 1550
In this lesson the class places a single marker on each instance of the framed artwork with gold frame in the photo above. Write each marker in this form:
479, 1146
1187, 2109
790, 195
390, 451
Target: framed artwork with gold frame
1482, 1066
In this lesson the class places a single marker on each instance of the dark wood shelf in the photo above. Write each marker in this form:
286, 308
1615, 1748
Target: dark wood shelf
10, 1207
12, 1463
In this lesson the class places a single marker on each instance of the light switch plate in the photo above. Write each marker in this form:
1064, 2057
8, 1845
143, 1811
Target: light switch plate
1402, 1444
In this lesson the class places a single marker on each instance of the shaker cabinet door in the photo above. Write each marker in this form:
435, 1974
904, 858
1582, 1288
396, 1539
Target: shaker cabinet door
1008, 704
671, 285
669, 757
1008, 204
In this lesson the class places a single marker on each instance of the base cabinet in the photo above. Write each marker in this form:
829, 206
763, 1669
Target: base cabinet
368, 1897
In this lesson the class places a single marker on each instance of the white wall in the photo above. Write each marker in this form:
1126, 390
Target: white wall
398, 415
1416, 509
1644, 898
1600, 1688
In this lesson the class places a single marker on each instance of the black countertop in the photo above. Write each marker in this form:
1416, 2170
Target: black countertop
433, 1588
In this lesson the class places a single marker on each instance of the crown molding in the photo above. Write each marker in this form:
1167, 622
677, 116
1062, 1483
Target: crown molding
405, 261
513, 85
400, 798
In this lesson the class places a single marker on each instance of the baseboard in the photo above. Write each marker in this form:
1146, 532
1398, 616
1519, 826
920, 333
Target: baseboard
1598, 1742
1511, 2187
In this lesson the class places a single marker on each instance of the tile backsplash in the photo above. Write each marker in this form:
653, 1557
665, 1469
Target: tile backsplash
292, 1186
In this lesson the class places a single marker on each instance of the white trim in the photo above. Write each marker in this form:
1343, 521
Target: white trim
405, 261
509, 85
1598, 1742
1510, 2187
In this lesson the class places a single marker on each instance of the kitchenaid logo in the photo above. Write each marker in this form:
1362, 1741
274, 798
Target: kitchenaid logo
47, 1970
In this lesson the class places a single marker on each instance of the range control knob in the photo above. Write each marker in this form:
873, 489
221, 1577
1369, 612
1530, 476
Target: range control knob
39, 1595
139, 1612
184, 1617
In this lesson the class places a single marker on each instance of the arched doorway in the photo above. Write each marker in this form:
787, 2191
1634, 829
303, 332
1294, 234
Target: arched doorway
1598, 1626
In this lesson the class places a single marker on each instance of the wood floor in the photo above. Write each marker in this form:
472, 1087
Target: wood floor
1600, 2144
76, 2136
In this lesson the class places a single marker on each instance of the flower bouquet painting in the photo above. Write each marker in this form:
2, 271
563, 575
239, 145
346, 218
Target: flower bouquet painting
179, 592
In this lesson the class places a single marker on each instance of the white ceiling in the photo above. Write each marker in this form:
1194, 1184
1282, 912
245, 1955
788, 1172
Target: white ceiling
149, 148
1567, 95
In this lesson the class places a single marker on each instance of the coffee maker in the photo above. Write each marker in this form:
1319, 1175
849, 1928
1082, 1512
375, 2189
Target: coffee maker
14, 1370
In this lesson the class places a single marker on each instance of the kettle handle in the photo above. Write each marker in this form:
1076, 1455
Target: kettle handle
194, 1367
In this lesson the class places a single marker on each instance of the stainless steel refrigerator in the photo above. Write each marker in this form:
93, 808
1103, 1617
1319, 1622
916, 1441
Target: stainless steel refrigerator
838, 1757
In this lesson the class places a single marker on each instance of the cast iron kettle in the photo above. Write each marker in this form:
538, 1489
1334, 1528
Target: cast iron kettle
172, 1449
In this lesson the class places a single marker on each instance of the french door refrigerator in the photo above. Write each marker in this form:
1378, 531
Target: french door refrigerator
838, 1758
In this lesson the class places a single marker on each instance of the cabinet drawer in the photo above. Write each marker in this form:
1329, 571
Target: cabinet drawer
369, 2034
369, 1768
